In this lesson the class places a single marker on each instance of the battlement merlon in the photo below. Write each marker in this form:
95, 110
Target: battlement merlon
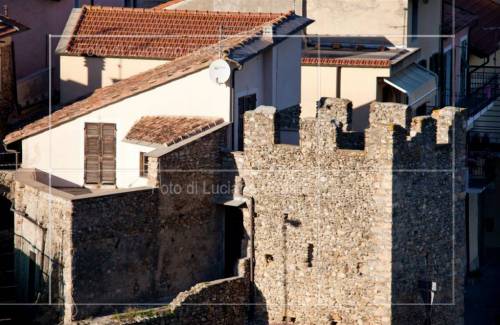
337, 111
260, 127
388, 122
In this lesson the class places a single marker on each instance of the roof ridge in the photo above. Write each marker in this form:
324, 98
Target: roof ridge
167, 12
179, 67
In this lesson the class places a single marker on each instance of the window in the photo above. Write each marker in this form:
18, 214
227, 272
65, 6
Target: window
143, 164
464, 58
131, 3
245, 103
100, 153
434, 63
414, 19
448, 77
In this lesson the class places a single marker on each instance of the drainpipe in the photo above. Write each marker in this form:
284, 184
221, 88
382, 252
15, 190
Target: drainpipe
232, 98
15, 152
339, 81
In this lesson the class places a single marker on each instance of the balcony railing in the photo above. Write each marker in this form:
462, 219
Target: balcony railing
482, 90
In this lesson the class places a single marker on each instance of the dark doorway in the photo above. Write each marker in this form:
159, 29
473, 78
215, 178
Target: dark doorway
31, 276
233, 237
6, 215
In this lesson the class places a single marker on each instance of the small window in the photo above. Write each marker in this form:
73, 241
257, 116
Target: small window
414, 19
143, 165
245, 103
434, 63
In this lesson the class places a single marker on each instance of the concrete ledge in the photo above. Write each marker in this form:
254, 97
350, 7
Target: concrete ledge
29, 177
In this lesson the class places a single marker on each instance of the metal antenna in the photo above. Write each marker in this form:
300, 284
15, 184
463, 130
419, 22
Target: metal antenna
220, 41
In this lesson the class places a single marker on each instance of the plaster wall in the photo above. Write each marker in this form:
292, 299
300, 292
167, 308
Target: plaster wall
358, 84
60, 150
81, 75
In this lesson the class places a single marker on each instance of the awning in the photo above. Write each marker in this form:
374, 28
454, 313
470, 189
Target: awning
418, 83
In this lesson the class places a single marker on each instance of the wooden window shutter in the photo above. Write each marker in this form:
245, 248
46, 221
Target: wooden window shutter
143, 164
108, 158
92, 153
100, 153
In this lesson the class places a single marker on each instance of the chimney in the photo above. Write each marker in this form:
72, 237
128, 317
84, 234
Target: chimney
268, 32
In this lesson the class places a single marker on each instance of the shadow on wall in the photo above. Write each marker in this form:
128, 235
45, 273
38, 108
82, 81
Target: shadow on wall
72, 91
411, 208
427, 224
31, 287
258, 313
361, 117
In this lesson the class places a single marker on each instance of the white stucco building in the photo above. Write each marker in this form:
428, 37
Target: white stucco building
364, 69
89, 135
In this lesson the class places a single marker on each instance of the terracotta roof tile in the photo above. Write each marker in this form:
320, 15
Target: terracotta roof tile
9, 26
344, 62
352, 51
139, 83
155, 33
167, 130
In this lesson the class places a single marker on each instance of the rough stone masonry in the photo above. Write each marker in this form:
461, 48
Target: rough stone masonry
358, 236
370, 235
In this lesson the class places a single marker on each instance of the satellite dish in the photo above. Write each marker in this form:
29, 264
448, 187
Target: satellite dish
219, 71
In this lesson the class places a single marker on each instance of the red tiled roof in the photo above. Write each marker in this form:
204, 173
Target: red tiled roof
167, 130
484, 36
155, 33
9, 26
142, 82
346, 62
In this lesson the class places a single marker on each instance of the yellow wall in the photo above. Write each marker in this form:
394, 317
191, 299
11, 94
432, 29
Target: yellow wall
82, 75
428, 28
378, 18
317, 82
357, 84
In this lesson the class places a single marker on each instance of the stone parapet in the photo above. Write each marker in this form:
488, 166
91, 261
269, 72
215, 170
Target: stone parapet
347, 236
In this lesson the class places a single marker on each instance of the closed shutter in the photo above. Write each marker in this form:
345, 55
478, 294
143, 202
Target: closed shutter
100, 153
108, 159
92, 153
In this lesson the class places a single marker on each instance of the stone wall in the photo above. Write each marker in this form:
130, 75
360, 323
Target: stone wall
190, 223
7, 83
7, 183
216, 302
112, 248
347, 236
7, 89
161, 241
115, 241
42, 232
